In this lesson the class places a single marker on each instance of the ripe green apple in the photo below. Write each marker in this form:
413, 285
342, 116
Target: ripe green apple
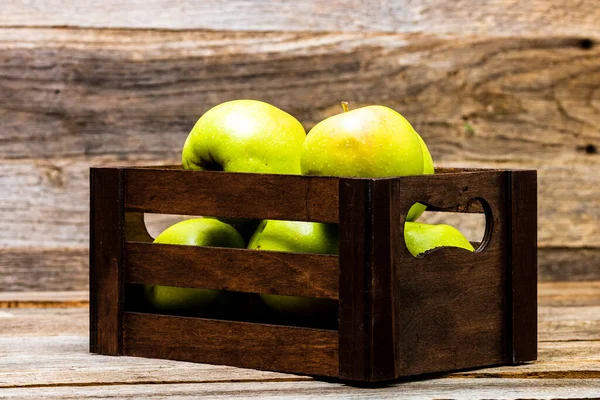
296, 237
245, 136
368, 142
428, 169
420, 238
192, 232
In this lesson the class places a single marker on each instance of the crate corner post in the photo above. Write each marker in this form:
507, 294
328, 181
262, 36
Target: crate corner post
106, 260
365, 306
522, 266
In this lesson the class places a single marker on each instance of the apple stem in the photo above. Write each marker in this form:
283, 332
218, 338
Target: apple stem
344, 106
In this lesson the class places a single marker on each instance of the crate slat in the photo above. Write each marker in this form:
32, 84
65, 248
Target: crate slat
242, 344
234, 195
242, 270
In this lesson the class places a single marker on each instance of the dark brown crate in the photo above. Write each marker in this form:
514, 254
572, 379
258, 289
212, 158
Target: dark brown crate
398, 315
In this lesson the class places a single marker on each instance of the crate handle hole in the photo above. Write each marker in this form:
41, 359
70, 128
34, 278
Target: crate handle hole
473, 219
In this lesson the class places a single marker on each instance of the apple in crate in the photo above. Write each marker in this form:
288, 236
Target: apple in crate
368, 142
420, 238
296, 237
245, 136
191, 232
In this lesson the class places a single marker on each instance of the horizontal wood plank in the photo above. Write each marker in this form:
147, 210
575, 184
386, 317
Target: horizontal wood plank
36, 322
45, 269
97, 92
234, 195
64, 299
569, 323
569, 293
240, 270
500, 17
271, 347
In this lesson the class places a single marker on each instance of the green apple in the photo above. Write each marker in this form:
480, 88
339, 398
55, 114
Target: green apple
192, 232
245, 136
420, 238
428, 169
296, 237
368, 142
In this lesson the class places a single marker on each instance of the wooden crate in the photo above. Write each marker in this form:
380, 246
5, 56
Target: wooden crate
398, 315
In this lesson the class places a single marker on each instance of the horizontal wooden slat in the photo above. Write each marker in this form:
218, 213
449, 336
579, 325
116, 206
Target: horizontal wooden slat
236, 195
240, 270
499, 17
288, 349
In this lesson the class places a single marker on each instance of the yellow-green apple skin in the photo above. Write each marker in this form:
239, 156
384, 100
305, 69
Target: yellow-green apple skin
368, 142
245, 136
296, 237
420, 238
192, 232
428, 169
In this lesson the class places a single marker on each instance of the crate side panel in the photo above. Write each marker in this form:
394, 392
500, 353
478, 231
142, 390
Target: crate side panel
240, 344
450, 305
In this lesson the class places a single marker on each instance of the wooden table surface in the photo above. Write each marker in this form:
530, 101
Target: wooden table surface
44, 354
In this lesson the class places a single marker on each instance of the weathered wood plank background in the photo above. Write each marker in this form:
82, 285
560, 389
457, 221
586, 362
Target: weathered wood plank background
494, 84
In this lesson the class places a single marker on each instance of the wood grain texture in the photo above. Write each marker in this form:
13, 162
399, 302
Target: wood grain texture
27, 269
568, 323
39, 355
234, 195
575, 264
554, 294
467, 17
270, 347
98, 92
35, 322
65, 299
37, 344
240, 270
